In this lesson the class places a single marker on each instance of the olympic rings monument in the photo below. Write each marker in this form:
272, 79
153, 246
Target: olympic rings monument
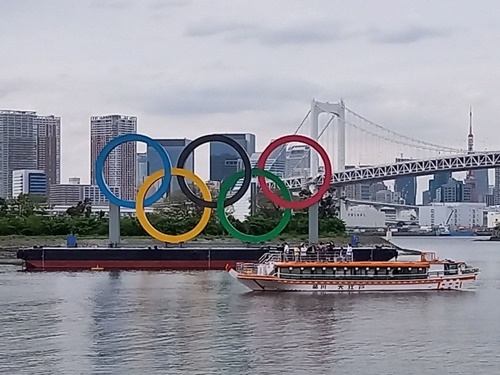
208, 204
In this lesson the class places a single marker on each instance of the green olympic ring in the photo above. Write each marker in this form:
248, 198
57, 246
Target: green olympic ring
229, 183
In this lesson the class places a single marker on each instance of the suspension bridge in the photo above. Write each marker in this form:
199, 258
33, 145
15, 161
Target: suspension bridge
364, 151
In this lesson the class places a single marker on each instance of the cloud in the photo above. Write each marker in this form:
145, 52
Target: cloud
408, 35
312, 32
155, 5
236, 96
204, 28
164, 4
12, 86
111, 4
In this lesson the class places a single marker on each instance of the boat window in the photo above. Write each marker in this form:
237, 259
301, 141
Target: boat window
450, 268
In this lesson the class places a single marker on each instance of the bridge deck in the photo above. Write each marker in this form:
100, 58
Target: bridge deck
454, 163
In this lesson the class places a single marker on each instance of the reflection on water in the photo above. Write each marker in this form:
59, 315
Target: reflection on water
205, 323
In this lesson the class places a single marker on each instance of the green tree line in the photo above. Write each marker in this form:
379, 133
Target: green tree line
27, 215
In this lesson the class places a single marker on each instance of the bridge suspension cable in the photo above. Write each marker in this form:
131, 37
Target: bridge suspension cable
303, 122
424, 145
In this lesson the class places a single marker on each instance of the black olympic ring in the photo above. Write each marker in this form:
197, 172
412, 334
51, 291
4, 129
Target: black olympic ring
247, 179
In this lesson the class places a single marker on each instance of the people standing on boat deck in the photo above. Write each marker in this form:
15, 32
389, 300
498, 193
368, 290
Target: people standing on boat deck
286, 250
296, 253
303, 251
349, 253
322, 251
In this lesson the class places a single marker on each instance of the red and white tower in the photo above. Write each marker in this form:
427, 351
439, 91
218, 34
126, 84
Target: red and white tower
470, 138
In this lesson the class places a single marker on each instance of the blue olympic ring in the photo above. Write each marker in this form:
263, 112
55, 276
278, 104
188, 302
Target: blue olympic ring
132, 137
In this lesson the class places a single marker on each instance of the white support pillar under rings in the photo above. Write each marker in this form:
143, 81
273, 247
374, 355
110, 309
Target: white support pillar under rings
114, 225
338, 109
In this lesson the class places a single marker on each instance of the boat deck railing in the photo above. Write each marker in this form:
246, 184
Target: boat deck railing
469, 270
334, 256
272, 256
248, 268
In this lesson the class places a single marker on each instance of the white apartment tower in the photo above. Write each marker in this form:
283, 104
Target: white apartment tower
120, 166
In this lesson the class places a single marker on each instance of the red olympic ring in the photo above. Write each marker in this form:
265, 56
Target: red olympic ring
295, 205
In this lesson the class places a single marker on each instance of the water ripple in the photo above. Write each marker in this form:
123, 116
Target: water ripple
205, 323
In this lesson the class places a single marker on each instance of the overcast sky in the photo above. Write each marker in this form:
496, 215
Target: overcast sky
186, 68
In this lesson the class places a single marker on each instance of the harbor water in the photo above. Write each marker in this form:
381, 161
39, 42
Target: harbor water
207, 323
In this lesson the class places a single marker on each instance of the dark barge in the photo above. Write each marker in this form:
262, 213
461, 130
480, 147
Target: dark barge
156, 258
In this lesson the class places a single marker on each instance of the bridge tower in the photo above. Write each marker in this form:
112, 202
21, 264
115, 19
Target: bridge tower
338, 110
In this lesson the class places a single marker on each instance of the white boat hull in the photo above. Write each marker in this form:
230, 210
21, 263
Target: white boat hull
273, 284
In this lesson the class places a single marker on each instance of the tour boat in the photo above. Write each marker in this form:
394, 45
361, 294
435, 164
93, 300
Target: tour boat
318, 273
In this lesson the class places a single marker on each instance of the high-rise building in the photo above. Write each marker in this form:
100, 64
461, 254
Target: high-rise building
406, 186
30, 142
364, 191
426, 198
454, 191
298, 160
489, 200
17, 146
482, 183
71, 194
496, 189
376, 187
120, 166
387, 196
224, 160
173, 147
360, 192
142, 168
440, 178
48, 147
276, 164
32, 182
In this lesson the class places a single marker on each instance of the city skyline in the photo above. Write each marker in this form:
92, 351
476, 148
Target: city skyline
56, 141
104, 128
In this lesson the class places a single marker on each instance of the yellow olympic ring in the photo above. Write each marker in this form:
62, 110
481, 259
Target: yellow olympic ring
152, 231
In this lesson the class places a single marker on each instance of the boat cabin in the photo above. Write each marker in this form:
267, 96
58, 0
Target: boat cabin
352, 271
427, 266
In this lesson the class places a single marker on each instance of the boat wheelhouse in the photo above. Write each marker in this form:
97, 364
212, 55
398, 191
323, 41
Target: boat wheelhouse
275, 273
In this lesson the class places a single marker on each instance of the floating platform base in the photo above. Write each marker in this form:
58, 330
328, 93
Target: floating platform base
132, 259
